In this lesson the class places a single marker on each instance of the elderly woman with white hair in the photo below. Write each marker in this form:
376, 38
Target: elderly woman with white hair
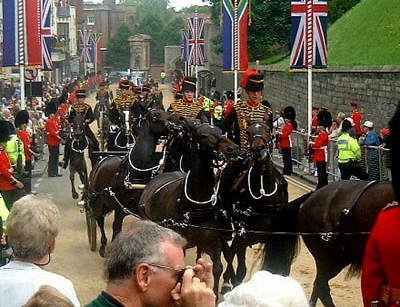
265, 289
32, 228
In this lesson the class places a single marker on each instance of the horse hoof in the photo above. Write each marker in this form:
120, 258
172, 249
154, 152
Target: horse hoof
81, 203
102, 251
75, 195
81, 187
225, 288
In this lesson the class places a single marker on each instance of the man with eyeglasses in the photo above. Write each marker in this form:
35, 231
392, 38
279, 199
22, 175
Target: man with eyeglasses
146, 267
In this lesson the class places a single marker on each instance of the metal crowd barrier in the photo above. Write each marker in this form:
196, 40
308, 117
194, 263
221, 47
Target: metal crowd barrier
375, 160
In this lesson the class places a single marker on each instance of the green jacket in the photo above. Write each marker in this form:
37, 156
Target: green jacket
348, 148
104, 300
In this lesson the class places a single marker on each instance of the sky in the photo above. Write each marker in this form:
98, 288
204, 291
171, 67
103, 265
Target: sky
177, 4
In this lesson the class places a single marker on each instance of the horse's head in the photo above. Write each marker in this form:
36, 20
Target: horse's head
78, 126
158, 121
259, 138
211, 138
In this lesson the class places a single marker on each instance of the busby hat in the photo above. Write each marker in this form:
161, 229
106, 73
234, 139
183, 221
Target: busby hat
80, 94
324, 118
189, 84
124, 84
22, 117
4, 131
51, 108
289, 113
230, 95
252, 81
394, 126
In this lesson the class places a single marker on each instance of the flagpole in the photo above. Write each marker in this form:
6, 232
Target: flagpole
309, 101
235, 51
309, 33
39, 78
21, 32
196, 22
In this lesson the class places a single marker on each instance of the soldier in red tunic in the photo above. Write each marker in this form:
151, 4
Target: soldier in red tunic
356, 117
53, 139
380, 277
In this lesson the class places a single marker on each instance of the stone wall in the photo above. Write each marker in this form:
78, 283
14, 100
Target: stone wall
375, 89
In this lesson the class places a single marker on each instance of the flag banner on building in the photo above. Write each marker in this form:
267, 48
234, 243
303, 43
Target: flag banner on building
46, 37
95, 53
184, 46
235, 60
21, 33
308, 39
196, 44
85, 46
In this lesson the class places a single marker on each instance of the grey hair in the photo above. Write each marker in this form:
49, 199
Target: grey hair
32, 226
341, 115
140, 243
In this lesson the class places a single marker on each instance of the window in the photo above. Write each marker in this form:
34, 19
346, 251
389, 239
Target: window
91, 20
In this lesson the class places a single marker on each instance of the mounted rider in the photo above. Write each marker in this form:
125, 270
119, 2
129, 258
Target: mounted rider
85, 110
125, 100
186, 106
236, 123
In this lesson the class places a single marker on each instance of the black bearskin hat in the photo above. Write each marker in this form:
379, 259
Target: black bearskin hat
189, 84
230, 95
22, 117
346, 125
4, 131
80, 94
289, 113
124, 84
324, 118
51, 108
394, 127
252, 81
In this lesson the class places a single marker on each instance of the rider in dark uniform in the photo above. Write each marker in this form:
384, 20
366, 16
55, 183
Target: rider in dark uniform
125, 98
85, 110
253, 109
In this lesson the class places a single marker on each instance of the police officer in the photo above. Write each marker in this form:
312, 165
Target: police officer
85, 110
349, 154
15, 150
380, 275
9, 185
253, 109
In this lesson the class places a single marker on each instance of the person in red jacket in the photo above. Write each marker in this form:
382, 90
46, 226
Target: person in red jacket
9, 185
53, 140
356, 117
289, 115
380, 275
320, 147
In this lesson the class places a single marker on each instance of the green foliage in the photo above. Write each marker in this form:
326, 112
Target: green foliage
203, 9
161, 23
337, 8
118, 52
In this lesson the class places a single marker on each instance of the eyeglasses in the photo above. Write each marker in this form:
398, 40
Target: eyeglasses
180, 272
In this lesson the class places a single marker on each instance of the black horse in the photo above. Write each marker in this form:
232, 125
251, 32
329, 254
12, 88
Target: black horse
79, 144
191, 198
342, 213
112, 181
260, 206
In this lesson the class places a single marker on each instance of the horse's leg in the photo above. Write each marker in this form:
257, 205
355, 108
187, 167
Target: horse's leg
215, 255
229, 273
84, 179
75, 195
241, 271
100, 222
117, 224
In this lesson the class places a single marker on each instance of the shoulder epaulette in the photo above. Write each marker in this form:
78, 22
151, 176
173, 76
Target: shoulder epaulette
393, 204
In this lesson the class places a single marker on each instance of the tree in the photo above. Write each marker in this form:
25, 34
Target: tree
118, 51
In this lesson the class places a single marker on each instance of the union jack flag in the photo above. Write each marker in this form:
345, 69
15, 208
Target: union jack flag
196, 44
308, 36
85, 46
45, 34
184, 46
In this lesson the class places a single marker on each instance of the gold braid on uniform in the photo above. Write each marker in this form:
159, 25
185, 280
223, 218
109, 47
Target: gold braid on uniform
190, 110
125, 101
245, 111
80, 108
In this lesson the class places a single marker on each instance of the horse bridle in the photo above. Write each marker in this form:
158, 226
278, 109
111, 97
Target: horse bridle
267, 142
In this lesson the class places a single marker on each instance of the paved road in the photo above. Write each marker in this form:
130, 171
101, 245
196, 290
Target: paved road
73, 259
